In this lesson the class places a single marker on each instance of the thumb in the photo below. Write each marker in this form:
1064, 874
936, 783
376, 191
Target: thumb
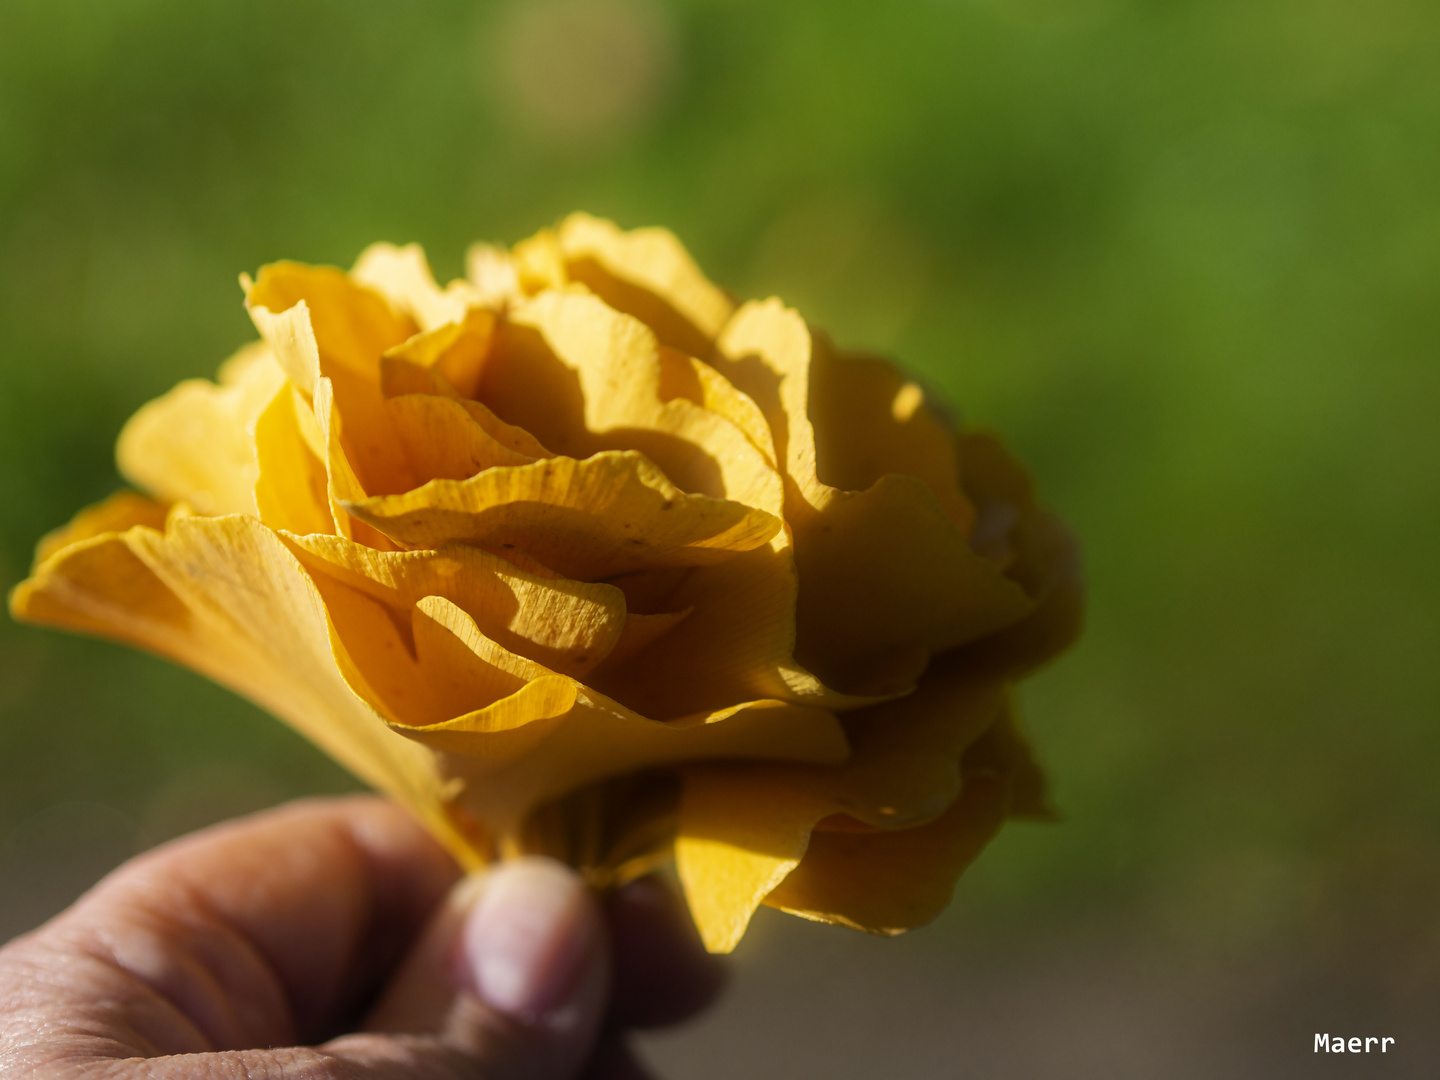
508, 980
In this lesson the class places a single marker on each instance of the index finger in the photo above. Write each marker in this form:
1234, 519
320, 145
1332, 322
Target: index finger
274, 928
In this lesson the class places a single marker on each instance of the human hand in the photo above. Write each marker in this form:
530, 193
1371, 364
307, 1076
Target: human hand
329, 939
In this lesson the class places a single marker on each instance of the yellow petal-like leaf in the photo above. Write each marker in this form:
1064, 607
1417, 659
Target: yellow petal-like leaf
468, 670
236, 577
740, 835
512, 726
686, 377
369, 436
456, 351
196, 443
764, 352
538, 264
887, 882
853, 393
498, 709
380, 657
641, 632
491, 272
1039, 553
609, 514
370, 445
402, 377
291, 491
352, 325
648, 274
119, 512
99, 586
568, 626
402, 275
225, 597
343, 486
885, 575
888, 578
291, 340
736, 643
617, 368
598, 738
904, 770
442, 440
1005, 751
322, 324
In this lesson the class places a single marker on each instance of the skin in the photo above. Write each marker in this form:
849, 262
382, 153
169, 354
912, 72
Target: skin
333, 939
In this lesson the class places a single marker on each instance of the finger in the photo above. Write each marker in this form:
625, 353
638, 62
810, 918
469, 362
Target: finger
516, 964
426, 984
662, 972
262, 932
525, 981
525, 937
330, 894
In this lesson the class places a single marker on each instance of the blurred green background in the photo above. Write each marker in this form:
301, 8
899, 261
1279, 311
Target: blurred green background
1185, 255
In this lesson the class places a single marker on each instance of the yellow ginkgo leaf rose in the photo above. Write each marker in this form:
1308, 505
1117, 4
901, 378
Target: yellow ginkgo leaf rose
579, 556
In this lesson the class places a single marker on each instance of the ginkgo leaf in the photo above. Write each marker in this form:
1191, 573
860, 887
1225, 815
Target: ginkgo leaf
888, 577
648, 274
196, 444
225, 597
608, 514
905, 770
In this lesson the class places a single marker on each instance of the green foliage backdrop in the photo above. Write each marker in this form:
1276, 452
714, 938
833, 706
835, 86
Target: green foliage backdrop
1184, 254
